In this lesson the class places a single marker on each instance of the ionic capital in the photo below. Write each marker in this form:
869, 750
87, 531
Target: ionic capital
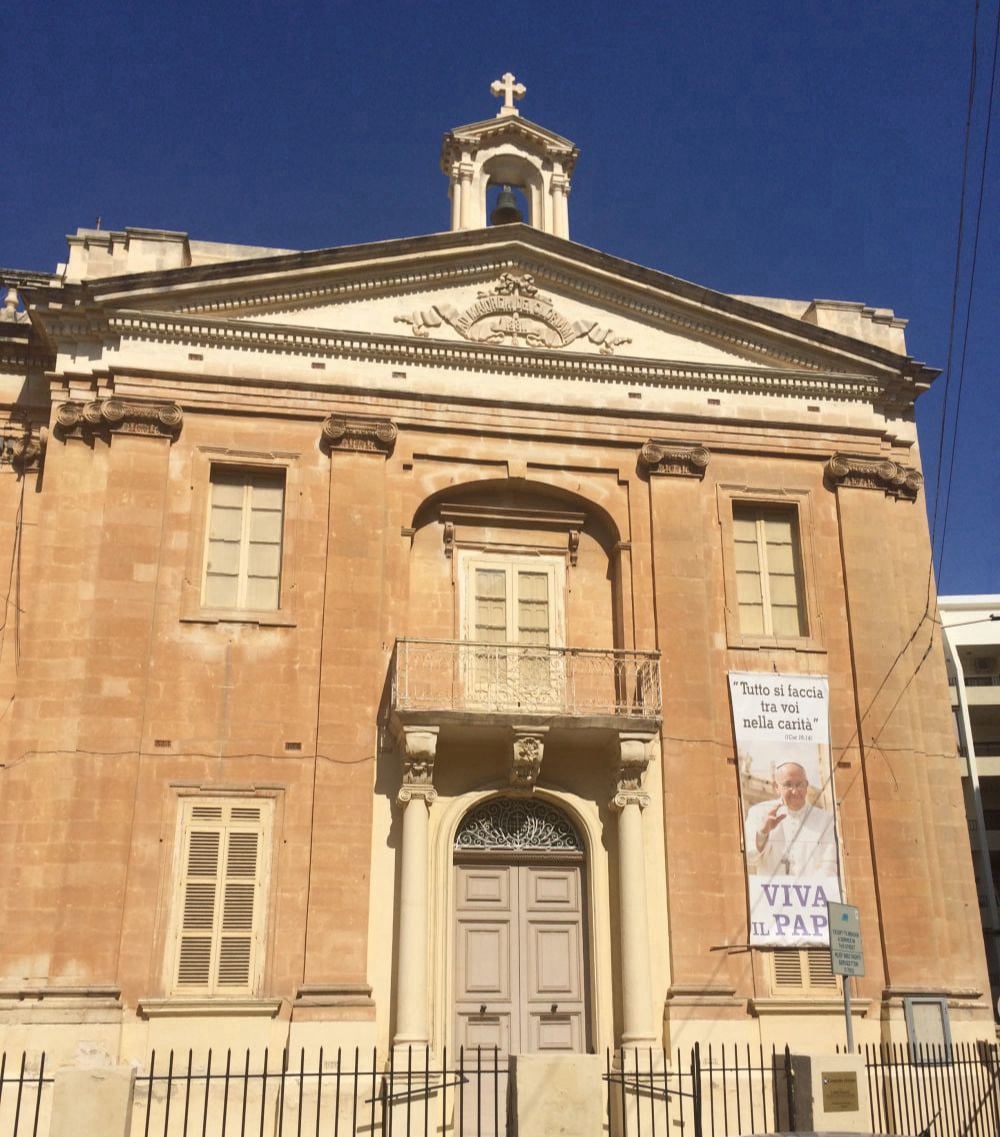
119, 416
629, 797
407, 793
681, 459
355, 432
862, 471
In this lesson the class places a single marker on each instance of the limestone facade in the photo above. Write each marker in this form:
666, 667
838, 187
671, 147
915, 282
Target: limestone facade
268, 515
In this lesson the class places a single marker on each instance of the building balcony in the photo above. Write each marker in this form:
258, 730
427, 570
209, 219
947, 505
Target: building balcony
481, 684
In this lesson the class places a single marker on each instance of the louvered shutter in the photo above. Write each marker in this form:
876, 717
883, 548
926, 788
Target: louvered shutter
798, 971
821, 969
787, 970
221, 896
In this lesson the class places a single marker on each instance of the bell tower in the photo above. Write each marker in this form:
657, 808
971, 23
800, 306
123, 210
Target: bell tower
511, 152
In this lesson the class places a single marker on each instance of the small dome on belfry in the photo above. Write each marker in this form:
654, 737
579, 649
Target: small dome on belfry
511, 152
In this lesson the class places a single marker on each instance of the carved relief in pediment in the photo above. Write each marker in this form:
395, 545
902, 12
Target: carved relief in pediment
513, 313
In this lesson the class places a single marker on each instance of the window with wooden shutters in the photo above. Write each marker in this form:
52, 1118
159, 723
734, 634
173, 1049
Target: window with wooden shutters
768, 567
243, 546
799, 971
224, 853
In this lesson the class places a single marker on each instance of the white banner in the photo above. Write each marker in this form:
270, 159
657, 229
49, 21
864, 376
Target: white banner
782, 727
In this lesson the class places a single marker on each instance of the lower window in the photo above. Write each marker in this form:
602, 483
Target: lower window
802, 971
219, 904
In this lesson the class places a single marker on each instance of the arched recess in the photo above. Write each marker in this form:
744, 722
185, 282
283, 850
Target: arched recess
532, 523
515, 169
578, 840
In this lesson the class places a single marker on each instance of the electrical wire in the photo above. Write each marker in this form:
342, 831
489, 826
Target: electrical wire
956, 282
971, 292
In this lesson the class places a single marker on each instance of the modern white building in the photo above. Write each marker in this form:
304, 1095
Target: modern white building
972, 645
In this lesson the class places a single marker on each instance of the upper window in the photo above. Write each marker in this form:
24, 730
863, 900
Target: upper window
768, 567
243, 546
220, 902
514, 600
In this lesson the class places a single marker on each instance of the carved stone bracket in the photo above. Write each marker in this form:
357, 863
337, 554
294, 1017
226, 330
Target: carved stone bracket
350, 432
682, 459
635, 752
119, 416
574, 546
860, 471
419, 747
528, 750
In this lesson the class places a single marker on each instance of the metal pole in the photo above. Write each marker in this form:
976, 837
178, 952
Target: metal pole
847, 1014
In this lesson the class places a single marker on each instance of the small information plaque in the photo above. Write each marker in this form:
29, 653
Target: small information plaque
840, 1091
845, 939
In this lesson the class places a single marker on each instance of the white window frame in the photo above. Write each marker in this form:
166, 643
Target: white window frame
729, 498
761, 514
554, 567
264, 827
246, 475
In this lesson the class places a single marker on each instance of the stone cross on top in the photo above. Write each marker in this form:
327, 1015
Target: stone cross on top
511, 90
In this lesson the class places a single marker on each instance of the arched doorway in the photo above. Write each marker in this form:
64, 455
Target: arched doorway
521, 973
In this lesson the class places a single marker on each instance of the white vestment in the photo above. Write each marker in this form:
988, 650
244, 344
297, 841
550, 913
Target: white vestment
803, 844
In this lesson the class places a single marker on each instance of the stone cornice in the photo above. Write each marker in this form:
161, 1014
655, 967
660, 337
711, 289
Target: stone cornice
516, 241
171, 328
119, 416
862, 471
682, 459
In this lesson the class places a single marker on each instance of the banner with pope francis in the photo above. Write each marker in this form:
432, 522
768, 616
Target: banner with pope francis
782, 728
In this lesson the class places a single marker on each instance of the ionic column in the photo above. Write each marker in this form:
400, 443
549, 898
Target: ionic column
630, 801
416, 796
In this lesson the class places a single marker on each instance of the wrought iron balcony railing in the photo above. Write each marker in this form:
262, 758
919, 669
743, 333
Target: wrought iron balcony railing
466, 676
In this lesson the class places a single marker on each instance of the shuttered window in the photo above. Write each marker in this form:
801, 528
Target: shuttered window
768, 570
799, 971
224, 848
243, 547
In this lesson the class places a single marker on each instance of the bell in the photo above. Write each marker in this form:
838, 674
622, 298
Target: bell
506, 212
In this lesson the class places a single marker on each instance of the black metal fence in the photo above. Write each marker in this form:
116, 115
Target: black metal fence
715, 1091
324, 1095
941, 1091
718, 1091
24, 1095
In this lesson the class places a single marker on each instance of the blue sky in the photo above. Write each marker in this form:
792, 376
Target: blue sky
790, 149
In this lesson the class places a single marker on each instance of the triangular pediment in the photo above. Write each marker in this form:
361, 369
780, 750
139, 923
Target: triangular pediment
512, 305
501, 290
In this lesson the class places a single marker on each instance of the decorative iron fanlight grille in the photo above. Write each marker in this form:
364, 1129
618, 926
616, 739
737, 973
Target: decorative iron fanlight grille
524, 825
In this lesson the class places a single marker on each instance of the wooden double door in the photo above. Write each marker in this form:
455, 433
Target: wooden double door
520, 956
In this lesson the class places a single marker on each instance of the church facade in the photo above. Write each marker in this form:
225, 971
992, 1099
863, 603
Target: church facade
375, 620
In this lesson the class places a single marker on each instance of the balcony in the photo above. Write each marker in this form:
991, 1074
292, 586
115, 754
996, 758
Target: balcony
483, 684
